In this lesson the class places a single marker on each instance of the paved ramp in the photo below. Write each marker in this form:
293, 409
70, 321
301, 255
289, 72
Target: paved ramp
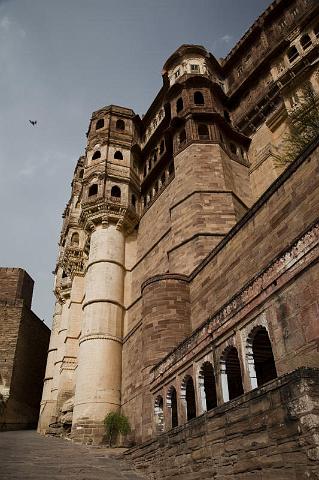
25, 455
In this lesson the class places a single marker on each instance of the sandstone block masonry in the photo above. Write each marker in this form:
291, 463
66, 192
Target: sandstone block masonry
187, 274
270, 433
24, 341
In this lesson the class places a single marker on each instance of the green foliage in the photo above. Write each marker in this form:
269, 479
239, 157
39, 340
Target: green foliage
303, 123
116, 423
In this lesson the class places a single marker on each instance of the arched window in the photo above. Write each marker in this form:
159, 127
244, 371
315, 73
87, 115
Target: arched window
182, 137
96, 155
81, 173
134, 201
203, 133
171, 168
172, 404
159, 414
118, 155
93, 189
163, 179
293, 54
179, 105
199, 98
261, 360
116, 191
226, 116
162, 146
188, 396
207, 387
155, 157
231, 374
99, 124
75, 239
305, 41
64, 275
233, 148
120, 125
145, 171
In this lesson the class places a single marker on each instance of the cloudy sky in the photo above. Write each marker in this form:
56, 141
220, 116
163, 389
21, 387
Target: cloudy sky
59, 61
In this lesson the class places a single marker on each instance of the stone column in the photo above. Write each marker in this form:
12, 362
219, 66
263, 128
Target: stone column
98, 383
48, 403
61, 380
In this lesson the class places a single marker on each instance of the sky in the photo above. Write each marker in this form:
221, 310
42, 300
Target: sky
59, 61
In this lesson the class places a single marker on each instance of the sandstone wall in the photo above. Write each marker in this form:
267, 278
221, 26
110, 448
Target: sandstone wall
24, 341
267, 434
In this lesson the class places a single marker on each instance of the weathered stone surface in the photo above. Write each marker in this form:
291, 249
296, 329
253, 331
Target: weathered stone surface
27, 455
284, 446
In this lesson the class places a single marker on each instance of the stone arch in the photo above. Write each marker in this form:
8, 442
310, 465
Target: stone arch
199, 98
118, 155
93, 189
99, 124
116, 191
179, 104
120, 124
203, 132
188, 397
207, 386
96, 155
75, 239
261, 362
232, 385
159, 414
171, 401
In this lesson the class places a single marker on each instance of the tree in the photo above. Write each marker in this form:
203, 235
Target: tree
116, 423
303, 123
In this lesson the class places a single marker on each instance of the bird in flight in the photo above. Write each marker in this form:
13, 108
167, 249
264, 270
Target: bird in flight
33, 122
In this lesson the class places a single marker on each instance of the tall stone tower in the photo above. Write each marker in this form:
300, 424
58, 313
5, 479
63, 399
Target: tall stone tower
109, 212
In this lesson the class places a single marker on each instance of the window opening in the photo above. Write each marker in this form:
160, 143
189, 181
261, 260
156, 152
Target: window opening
207, 387
116, 192
179, 105
172, 404
203, 132
75, 239
99, 124
93, 190
293, 54
96, 155
159, 414
261, 362
120, 125
199, 98
118, 155
231, 375
305, 41
188, 395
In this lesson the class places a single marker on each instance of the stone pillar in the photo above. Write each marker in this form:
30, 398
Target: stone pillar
98, 384
71, 341
62, 380
48, 403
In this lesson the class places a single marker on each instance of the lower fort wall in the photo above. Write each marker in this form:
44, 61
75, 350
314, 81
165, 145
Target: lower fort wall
267, 434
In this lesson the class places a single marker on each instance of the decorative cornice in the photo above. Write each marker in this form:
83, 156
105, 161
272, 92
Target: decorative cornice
73, 261
100, 336
108, 210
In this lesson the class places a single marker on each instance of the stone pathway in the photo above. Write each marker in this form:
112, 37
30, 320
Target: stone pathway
26, 455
